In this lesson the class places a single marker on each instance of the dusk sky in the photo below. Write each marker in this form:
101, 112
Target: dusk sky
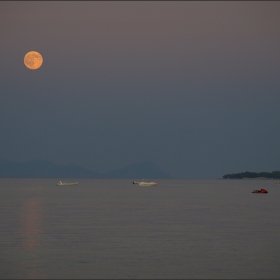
192, 86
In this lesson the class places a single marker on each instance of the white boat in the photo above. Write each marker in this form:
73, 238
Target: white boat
66, 184
145, 183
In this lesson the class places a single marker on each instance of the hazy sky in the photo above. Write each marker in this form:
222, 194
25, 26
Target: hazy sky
192, 86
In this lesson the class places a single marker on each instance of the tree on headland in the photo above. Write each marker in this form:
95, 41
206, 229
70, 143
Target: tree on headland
251, 175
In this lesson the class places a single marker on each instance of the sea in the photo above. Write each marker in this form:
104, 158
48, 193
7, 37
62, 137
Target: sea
112, 229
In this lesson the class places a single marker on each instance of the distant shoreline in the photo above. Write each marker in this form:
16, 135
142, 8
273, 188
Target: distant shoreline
251, 178
254, 175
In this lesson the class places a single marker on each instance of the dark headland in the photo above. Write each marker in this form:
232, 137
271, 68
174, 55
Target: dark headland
253, 175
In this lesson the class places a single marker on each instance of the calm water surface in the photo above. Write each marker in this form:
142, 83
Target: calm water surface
109, 229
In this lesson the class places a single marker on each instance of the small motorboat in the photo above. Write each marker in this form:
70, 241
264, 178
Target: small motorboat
66, 184
260, 191
145, 183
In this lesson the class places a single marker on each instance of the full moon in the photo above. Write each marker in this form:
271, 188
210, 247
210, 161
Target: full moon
33, 60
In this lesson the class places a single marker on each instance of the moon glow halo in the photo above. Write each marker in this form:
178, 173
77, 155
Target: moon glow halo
33, 60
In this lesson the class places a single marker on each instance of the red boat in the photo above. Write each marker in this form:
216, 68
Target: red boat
260, 191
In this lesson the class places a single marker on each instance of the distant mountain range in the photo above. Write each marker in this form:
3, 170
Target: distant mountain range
45, 169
